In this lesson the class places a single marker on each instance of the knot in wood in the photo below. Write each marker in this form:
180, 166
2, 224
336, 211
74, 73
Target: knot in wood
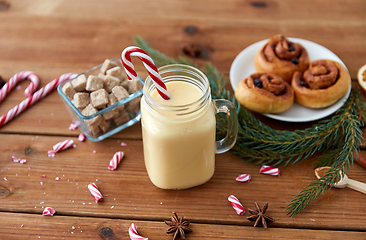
4, 192
28, 150
106, 232
259, 4
4, 6
190, 30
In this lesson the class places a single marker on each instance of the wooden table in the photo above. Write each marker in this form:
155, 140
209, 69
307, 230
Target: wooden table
59, 36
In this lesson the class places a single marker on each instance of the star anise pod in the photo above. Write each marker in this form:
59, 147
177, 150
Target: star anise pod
178, 226
259, 216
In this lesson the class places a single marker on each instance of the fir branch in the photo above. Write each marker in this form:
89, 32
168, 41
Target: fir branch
260, 144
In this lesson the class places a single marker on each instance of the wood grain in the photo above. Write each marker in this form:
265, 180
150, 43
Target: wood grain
129, 194
60, 36
20, 226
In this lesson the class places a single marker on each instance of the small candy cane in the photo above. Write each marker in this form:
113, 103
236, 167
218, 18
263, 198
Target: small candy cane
60, 146
14, 80
236, 205
95, 192
132, 231
243, 178
115, 160
149, 65
270, 170
48, 211
32, 99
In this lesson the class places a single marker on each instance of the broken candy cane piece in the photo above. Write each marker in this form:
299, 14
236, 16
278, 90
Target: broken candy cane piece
270, 170
115, 160
243, 178
74, 125
14, 159
81, 137
60, 146
18, 160
236, 205
48, 211
95, 192
132, 231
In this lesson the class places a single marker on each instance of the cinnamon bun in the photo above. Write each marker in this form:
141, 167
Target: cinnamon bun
265, 93
322, 84
282, 58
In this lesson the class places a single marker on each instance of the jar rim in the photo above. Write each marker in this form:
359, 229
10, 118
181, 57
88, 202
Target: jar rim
149, 86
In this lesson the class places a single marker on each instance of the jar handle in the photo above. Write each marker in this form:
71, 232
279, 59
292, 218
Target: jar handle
226, 106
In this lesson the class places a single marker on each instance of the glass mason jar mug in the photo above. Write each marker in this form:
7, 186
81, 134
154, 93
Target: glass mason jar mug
179, 134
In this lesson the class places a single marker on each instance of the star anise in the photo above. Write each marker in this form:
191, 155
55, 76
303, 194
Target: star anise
259, 216
178, 226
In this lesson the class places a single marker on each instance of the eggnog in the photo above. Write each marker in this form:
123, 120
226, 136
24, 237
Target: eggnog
179, 137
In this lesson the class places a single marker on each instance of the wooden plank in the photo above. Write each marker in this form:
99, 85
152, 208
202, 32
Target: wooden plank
20, 226
102, 38
131, 195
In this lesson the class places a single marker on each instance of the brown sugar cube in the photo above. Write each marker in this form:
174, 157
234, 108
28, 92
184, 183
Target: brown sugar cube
104, 125
94, 83
115, 111
120, 92
134, 85
111, 114
122, 118
79, 83
113, 100
108, 64
90, 110
81, 100
133, 105
110, 82
99, 98
68, 90
115, 72
93, 130
125, 84
101, 75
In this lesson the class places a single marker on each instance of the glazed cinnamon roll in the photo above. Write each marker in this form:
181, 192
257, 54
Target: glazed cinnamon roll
265, 93
322, 84
282, 58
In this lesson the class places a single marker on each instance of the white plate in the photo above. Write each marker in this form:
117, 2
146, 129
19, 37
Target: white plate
243, 66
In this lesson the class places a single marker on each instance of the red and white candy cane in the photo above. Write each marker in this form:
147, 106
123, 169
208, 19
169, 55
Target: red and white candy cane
236, 205
243, 178
60, 146
14, 80
41, 93
117, 157
270, 170
132, 231
149, 65
95, 192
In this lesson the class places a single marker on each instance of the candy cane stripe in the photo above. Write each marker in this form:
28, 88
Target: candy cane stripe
18, 77
148, 64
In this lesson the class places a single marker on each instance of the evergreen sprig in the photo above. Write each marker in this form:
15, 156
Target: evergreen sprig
340, 136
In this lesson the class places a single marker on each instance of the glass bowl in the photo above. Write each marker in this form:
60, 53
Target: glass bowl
99, 122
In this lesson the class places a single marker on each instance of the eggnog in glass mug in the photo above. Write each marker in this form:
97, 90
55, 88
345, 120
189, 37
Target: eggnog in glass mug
179, 133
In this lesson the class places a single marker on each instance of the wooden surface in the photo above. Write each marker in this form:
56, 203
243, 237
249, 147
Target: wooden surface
59, 36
